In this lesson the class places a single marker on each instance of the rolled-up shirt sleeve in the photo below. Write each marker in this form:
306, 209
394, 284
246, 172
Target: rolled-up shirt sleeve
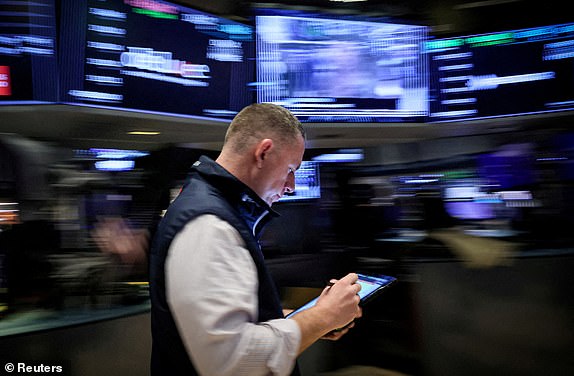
212, 287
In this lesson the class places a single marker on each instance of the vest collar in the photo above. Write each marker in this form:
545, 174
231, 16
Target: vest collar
252, 208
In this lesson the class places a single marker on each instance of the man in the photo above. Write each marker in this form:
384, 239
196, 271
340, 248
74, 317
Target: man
215, 309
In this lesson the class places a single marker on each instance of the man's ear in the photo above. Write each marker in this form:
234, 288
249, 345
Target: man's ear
262, 151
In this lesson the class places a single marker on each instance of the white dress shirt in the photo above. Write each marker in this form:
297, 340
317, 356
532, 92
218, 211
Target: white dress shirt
211, 287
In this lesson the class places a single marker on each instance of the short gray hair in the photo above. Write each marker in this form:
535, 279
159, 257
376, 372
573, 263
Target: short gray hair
262, 120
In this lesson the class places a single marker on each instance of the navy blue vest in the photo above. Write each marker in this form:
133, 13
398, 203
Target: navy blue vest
210, 189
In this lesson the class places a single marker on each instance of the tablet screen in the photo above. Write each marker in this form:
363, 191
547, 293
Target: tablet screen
369, 286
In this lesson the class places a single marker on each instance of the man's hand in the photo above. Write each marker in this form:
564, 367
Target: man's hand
333, 315
340, 300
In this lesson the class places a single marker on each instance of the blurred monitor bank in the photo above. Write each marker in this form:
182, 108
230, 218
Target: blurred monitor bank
326, 68
488, 232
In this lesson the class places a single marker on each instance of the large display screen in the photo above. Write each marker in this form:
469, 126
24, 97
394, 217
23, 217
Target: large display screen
28, 63
508, 73
341, 70
155, 56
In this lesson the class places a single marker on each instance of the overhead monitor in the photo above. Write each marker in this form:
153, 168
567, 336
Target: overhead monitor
328, 69
155, 56
500, 74
28, 63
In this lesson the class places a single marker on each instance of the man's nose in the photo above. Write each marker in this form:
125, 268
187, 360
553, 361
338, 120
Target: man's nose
290, 184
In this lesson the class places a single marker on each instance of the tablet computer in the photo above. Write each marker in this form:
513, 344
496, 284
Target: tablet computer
371, 285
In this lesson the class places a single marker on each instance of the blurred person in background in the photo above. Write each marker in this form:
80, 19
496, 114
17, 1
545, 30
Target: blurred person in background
115, 237
215, 308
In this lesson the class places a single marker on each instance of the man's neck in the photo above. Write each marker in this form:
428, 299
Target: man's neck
235, 165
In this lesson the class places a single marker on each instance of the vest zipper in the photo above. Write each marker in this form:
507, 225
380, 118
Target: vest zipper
257, 223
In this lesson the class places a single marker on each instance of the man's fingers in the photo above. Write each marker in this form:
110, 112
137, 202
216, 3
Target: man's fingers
351, 278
